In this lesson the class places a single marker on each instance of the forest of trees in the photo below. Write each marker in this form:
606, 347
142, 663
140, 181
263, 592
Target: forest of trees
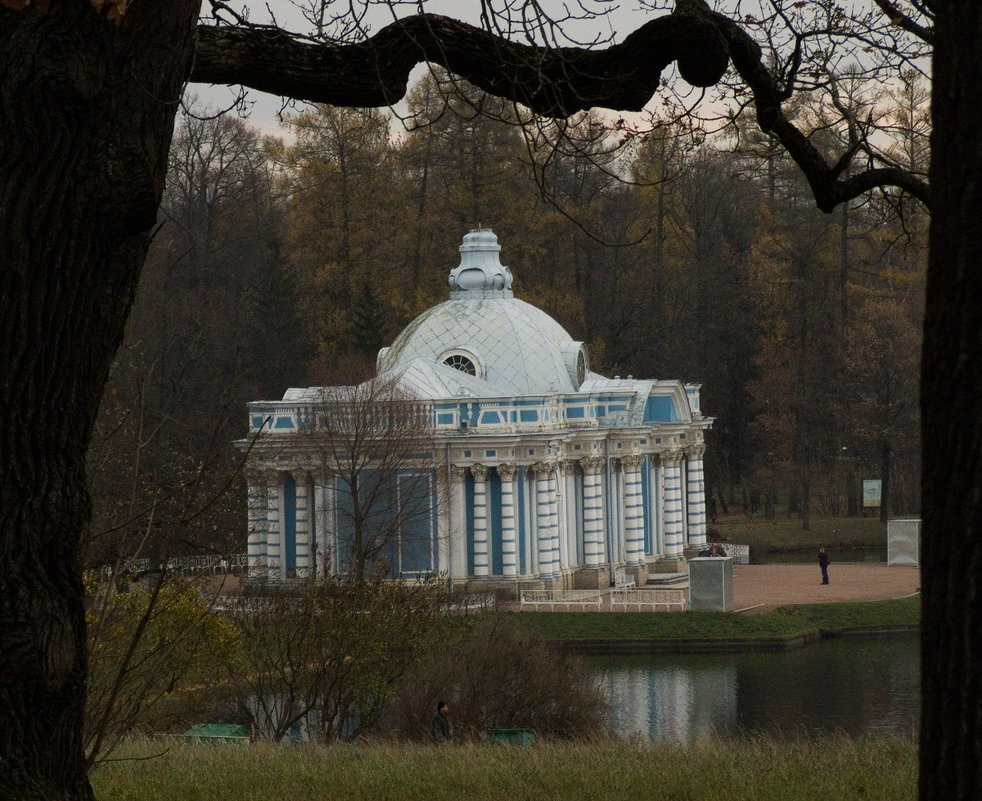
285, 261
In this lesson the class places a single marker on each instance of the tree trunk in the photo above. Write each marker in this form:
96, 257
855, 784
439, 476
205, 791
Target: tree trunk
806, 499
83, 152
885, 467
852, 493
951, 405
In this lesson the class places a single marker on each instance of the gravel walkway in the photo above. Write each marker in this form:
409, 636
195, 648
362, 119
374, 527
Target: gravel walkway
759, 588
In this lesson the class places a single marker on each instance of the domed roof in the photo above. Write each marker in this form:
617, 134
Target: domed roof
486, 332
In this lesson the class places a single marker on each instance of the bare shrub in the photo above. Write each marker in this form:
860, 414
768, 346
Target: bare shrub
495, 674
324, 658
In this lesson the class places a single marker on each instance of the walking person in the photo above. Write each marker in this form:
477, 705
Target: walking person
440, 726
823, 562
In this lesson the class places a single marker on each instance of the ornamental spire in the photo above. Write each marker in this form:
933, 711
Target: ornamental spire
480, 272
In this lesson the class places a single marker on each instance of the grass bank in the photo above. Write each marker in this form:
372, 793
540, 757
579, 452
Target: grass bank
783, 622
758, 769
786, 534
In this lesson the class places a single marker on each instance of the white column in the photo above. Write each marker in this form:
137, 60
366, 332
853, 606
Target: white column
696, 495
274, 526
457, 545
482, 553
615, 511
324, 525
258, 524
545, 516
657, 495
566, 513
509, 539
633, 510
441, 548
554, 517
593, 511
673, 504
525, 501
303, 518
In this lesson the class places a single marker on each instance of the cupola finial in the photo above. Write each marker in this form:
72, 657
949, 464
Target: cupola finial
480, 270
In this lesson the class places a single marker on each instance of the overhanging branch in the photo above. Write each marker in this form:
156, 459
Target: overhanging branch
554, 82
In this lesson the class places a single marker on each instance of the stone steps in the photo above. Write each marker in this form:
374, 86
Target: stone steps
656, 580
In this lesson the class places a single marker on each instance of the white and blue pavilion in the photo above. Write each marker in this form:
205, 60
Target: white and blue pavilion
557, 477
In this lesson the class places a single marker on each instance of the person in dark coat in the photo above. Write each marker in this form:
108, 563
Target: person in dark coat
440, 727
823, 562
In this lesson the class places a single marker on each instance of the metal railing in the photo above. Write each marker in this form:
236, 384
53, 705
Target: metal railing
648, 600
185, 565
562, 599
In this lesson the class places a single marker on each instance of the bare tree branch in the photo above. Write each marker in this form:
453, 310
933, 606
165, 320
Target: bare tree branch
554, 82
905, 21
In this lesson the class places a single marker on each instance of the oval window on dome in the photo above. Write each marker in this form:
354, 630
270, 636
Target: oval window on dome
577, 362
460, 362
581, 367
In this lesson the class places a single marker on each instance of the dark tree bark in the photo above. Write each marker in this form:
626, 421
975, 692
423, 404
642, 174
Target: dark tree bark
951, 407
86, 113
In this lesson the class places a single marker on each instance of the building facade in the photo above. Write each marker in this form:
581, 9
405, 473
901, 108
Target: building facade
533, 469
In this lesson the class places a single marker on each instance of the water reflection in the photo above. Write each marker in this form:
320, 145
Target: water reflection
857, 686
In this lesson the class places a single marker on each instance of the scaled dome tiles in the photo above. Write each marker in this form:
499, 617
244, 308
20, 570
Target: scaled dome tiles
483, 330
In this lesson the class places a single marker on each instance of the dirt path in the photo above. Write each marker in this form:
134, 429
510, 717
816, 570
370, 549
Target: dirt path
762, 587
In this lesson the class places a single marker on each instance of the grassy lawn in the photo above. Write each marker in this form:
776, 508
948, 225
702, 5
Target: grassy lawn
785, 621
782, 533
761, 769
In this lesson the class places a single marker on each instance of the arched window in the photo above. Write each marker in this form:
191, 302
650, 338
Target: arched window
460, 362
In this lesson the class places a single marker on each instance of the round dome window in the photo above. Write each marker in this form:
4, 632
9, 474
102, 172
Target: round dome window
460, 360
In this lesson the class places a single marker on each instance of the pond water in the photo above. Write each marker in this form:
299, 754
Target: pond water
859, 686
